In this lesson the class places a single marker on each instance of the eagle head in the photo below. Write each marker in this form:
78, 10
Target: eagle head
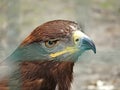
60, 40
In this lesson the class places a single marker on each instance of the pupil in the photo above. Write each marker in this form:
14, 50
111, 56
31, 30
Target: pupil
50, 42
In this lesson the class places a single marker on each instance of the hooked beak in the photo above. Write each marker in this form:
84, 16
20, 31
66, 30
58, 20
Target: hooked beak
83, 41
87, 44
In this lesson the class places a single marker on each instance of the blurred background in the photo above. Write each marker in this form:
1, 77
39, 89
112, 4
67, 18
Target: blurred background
100, 19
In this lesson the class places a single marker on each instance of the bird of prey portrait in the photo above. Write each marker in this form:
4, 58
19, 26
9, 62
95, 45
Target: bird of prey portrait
45, 59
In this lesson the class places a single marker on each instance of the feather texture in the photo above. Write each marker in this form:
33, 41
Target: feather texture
44, 75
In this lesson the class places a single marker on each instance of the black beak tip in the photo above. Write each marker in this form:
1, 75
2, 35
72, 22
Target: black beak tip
94, 49
92, 46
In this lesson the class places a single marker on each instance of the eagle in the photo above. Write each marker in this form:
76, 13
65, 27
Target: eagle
45, 59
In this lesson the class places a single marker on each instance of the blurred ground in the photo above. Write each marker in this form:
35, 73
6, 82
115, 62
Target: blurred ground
100, 20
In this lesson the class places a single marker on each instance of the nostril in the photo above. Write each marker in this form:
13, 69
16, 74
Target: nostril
77, 40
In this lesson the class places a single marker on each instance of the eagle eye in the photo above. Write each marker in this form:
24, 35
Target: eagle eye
51, 43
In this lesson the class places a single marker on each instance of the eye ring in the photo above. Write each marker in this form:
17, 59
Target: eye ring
51, 43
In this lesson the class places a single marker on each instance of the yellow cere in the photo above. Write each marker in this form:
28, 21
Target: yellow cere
77, 35
66, 50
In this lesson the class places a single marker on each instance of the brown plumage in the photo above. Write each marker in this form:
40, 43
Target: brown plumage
50, 30
46, 74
